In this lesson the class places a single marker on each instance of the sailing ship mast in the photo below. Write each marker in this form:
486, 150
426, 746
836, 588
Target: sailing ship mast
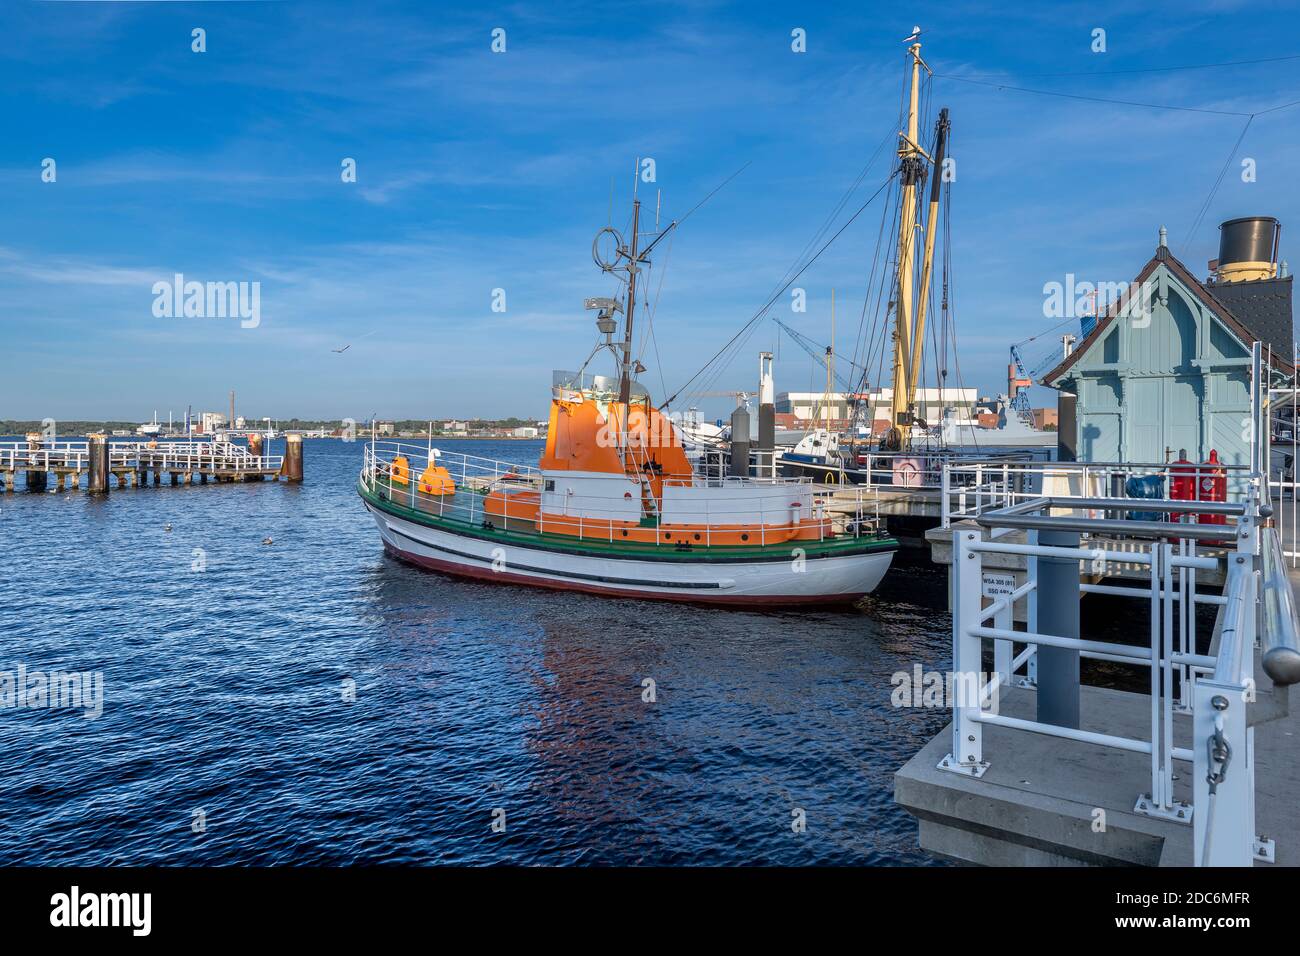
910, 309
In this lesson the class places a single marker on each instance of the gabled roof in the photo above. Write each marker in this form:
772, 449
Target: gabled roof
1193, 285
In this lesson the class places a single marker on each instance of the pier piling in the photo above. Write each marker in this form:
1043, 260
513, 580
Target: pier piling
98, 481
292, 467
36, 478
1058, 615
739, 465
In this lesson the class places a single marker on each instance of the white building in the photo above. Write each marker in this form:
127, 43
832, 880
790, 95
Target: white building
209, 422
930, 404
526, 431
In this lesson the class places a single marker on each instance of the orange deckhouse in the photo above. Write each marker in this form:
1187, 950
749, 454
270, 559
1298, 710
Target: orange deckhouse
603, 483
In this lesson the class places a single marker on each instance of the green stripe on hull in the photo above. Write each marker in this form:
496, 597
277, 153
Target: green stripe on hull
838, 547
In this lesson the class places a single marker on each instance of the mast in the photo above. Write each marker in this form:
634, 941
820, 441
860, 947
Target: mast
910, 156
625, 378
927, 262
830, 366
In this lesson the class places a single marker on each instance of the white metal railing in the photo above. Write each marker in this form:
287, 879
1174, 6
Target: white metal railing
1214, 689
48, 455
970, 488
1282, 450
918, 470
853, 512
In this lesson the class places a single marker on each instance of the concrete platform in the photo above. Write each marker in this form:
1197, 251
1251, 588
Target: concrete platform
1035, 804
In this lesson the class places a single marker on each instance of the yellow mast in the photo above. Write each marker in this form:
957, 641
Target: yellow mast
910, 155
927, 261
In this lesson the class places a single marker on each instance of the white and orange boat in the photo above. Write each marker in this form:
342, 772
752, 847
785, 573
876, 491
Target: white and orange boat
615, 507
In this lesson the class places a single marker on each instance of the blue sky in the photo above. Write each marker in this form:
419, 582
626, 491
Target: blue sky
478, 171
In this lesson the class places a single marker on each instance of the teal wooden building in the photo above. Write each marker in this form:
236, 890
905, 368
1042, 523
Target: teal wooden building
1167, 369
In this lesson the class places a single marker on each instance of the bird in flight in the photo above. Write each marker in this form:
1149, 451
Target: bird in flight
359, 338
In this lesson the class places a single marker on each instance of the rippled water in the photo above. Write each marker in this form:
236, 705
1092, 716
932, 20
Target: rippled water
224, 687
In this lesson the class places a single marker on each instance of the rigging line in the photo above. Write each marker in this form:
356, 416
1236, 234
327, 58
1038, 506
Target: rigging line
1053, 328
1274, 109
1154, 69
710, 381
654, 311
759, 314
1094, 99
839, 206
690, 212
747, 334
1205, 206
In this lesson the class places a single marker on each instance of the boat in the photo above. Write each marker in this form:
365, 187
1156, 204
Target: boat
614, 506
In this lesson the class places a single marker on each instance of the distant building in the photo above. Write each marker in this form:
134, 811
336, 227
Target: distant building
1045, 419
210, 422
1167, 368
383, 428
930, 404
527, 431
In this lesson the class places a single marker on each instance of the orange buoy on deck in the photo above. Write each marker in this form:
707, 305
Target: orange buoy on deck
436, 480
400, 471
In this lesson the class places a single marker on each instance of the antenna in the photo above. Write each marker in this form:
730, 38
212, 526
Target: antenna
659, 201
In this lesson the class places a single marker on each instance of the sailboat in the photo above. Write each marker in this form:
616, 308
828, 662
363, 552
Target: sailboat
614, 506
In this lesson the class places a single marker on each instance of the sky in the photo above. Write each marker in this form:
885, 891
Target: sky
479, 171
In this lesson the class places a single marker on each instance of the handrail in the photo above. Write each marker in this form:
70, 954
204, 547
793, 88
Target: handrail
1213, 688
1280, 638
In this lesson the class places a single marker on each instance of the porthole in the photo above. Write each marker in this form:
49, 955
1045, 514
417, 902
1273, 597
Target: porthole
625, 532
697, 537
744, 537
669, 535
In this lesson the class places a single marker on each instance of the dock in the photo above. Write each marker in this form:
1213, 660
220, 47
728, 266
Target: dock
1038, 769
136, 463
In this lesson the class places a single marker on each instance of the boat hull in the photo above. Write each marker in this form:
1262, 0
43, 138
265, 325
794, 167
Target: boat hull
789, 579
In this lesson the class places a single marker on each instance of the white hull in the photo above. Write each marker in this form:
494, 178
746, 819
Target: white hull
813, 580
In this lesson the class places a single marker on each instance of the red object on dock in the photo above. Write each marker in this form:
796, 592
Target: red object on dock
1212, 485
1182, 484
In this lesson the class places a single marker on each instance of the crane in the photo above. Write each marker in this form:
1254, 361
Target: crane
817, 351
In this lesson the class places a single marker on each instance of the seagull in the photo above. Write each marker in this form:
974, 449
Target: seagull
359, 338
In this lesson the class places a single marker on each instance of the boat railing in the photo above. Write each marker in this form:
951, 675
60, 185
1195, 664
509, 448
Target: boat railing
1216, 689
918, 470
850, 513
970, 487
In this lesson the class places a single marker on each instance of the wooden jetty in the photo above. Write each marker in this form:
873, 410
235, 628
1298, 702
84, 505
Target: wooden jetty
133, 463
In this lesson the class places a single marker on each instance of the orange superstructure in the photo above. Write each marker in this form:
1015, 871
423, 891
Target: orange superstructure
638, 486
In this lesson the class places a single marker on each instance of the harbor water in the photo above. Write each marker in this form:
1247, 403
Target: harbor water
313, 701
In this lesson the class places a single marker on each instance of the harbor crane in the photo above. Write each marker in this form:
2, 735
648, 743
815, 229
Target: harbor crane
819, 352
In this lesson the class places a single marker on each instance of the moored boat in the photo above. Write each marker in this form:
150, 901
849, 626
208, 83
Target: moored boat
628, 520
615, 506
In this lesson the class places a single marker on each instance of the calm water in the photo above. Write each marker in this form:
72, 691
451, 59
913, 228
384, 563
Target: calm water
224, 687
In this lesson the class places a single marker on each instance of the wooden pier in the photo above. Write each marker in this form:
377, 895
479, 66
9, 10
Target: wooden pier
134, 463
